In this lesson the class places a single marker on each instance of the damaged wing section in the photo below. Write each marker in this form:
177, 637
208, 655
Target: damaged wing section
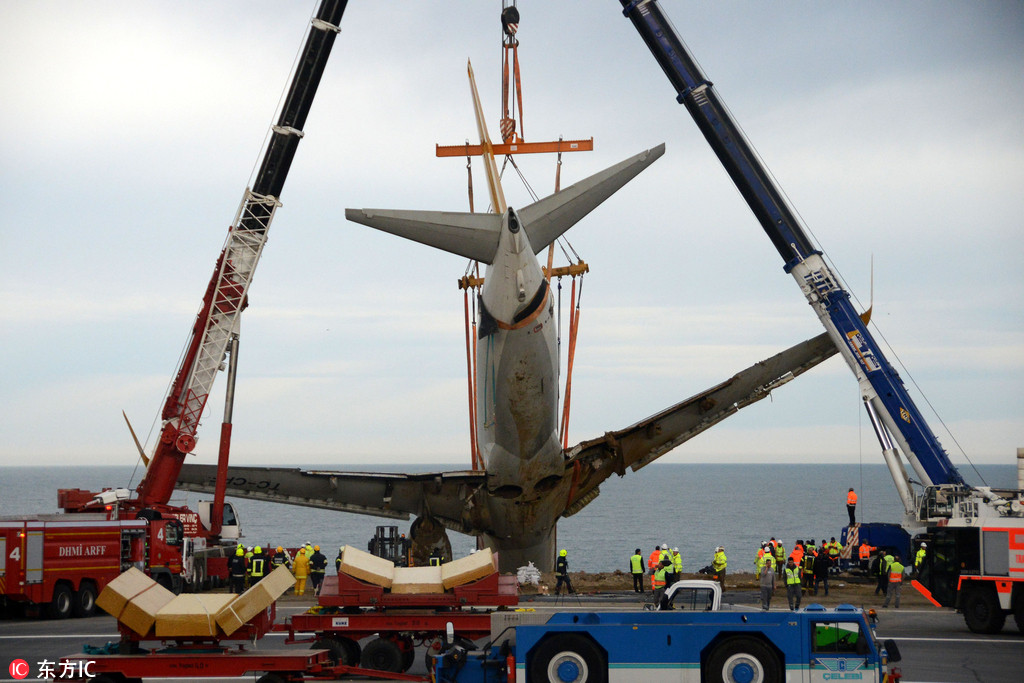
591, 462
449, 497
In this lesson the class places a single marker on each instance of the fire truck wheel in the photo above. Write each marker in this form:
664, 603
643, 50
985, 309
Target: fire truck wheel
63, 599
743, 659
85, 600
343, 651
568, 658
982, 611
383, 655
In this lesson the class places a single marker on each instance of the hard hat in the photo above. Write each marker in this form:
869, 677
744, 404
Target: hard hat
665, 545
280, 549
341, 548
721, 547
239, 551
675, 550
316, 547
924, 545
257, 550
562, 553
249, 548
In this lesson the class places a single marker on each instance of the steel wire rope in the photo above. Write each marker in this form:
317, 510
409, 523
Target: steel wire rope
842, 282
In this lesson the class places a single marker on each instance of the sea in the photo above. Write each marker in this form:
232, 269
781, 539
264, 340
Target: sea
694, 507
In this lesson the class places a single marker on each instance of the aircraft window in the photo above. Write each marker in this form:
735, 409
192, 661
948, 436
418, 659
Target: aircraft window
838, 636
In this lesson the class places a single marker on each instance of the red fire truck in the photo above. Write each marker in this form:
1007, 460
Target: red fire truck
62, 562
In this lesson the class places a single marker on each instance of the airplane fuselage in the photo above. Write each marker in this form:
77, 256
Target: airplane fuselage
517, 400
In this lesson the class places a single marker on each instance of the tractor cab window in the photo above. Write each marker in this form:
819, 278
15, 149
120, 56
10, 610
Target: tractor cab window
839, 637
695, 599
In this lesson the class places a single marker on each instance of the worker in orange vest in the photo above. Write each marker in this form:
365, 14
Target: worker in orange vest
865, 554
652, 562
851, 505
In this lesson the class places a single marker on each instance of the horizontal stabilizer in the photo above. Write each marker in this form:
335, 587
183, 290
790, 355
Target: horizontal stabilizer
546, 220
473, 235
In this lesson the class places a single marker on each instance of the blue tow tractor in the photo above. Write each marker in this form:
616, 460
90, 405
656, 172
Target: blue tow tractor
813, 644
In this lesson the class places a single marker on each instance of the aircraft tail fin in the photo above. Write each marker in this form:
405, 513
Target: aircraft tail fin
472, 235
544, 221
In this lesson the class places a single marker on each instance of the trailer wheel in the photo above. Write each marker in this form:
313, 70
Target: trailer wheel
61, 605
408, 648
268, 678
85, 600
982, 611
343, 651
568, 658
743, 660
383, 655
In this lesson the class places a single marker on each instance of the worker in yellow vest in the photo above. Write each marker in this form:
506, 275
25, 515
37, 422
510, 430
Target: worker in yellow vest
780, 558
659, 581
636, 568
718, 564
792, 574
895, 581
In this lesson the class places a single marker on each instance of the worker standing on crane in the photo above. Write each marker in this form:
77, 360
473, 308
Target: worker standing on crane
851, 505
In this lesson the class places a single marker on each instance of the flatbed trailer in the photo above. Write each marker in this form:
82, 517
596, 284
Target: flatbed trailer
351, 610
147, 656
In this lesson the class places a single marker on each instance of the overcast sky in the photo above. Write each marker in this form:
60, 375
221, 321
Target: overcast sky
130, 130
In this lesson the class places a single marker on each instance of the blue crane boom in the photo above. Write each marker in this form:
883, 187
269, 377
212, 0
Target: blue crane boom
889, 405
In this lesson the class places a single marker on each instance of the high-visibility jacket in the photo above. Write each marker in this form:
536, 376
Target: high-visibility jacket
792, 576
652, 561
920, 557
834, 549
780, 553
659, 578
258, 567
883, 564
720, 561
851, 498
666, 554
797, 555
636, 564
767, 560
895, 572
865, 551
677, 563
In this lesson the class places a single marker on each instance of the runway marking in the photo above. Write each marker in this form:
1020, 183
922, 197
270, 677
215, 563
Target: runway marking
958, 640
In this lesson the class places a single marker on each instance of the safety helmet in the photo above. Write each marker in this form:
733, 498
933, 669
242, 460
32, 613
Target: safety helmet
675, 550
257, 550
316, 547
249, 549
720, 548
562, 553
280, 549
665, 545
239, 551
302, 551
341, 548
924, 545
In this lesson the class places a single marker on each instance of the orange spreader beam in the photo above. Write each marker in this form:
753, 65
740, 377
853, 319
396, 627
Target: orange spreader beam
501, 149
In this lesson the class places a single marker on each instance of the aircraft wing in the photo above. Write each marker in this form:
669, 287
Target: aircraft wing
446, 496
591, 462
